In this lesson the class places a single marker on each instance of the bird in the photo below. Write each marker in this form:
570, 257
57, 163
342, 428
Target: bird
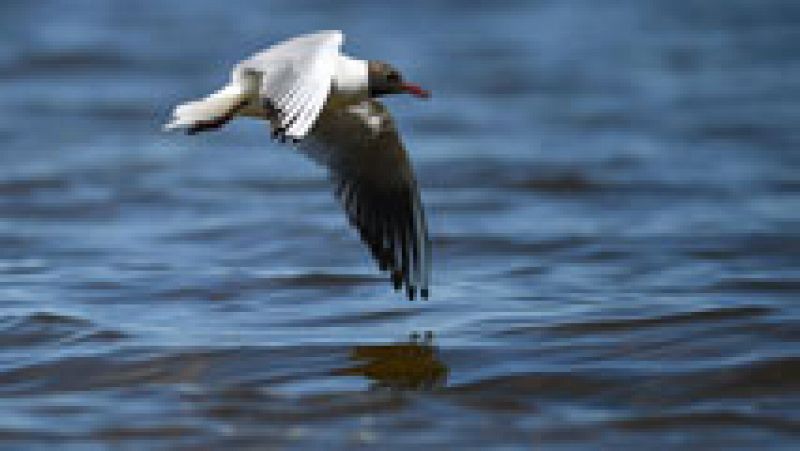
325, 104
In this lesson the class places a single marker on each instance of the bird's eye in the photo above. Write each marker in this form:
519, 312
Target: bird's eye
393, 77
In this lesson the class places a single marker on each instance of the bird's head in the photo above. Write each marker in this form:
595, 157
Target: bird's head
385, 79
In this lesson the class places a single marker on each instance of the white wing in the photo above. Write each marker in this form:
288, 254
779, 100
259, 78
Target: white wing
295, 78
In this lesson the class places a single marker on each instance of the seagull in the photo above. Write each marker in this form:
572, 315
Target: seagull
325, 104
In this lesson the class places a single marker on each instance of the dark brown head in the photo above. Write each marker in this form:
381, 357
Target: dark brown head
385, 79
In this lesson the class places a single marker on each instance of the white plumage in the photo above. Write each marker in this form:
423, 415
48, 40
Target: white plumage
289, 81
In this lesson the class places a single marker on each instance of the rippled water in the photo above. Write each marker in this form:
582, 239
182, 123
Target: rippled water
612, 190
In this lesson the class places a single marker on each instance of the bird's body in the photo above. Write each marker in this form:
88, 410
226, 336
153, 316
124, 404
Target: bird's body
324, 101
349, 86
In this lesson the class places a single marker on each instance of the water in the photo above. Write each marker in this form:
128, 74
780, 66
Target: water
612, 190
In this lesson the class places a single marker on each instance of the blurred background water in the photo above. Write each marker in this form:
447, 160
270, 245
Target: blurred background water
612, 190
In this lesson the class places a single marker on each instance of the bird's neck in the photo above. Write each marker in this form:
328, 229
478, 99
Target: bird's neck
350, 78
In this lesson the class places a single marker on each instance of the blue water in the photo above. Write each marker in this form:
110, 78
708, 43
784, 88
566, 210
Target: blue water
612, 190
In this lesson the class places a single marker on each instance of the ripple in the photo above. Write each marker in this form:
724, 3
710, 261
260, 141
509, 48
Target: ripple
41, 328
757, 377
506, 245
355, 319
89, 373
756, 285
321, 280
83, 60
625, 324
71, 210
28, 186
513, 392
25, 266
229, 289
720, 417
564, 183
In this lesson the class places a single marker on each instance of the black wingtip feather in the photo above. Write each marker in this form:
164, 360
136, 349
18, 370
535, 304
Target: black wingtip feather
397, 280
389, 235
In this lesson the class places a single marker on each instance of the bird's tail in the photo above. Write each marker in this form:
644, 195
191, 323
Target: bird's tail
209, 112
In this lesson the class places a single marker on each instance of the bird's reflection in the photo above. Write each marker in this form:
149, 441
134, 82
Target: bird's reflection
407, 365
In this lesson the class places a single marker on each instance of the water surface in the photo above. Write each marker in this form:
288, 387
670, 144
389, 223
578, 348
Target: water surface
612, 190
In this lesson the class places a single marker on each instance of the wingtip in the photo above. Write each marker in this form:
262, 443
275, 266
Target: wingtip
397, 280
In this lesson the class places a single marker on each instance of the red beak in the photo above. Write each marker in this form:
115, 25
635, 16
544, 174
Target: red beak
415, 90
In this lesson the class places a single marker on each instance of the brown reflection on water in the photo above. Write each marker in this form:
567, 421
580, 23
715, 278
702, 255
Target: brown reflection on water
408, 365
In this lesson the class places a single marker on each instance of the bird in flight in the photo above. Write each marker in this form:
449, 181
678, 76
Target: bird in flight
325, 103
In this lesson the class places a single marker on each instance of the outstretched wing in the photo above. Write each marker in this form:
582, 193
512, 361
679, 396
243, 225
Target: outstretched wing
376, 185
295, 78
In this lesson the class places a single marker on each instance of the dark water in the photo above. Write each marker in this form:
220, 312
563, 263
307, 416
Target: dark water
613, 190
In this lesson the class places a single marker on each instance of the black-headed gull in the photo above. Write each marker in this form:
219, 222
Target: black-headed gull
306, 88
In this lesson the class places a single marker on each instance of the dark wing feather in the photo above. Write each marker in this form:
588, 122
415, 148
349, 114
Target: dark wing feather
375, 183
